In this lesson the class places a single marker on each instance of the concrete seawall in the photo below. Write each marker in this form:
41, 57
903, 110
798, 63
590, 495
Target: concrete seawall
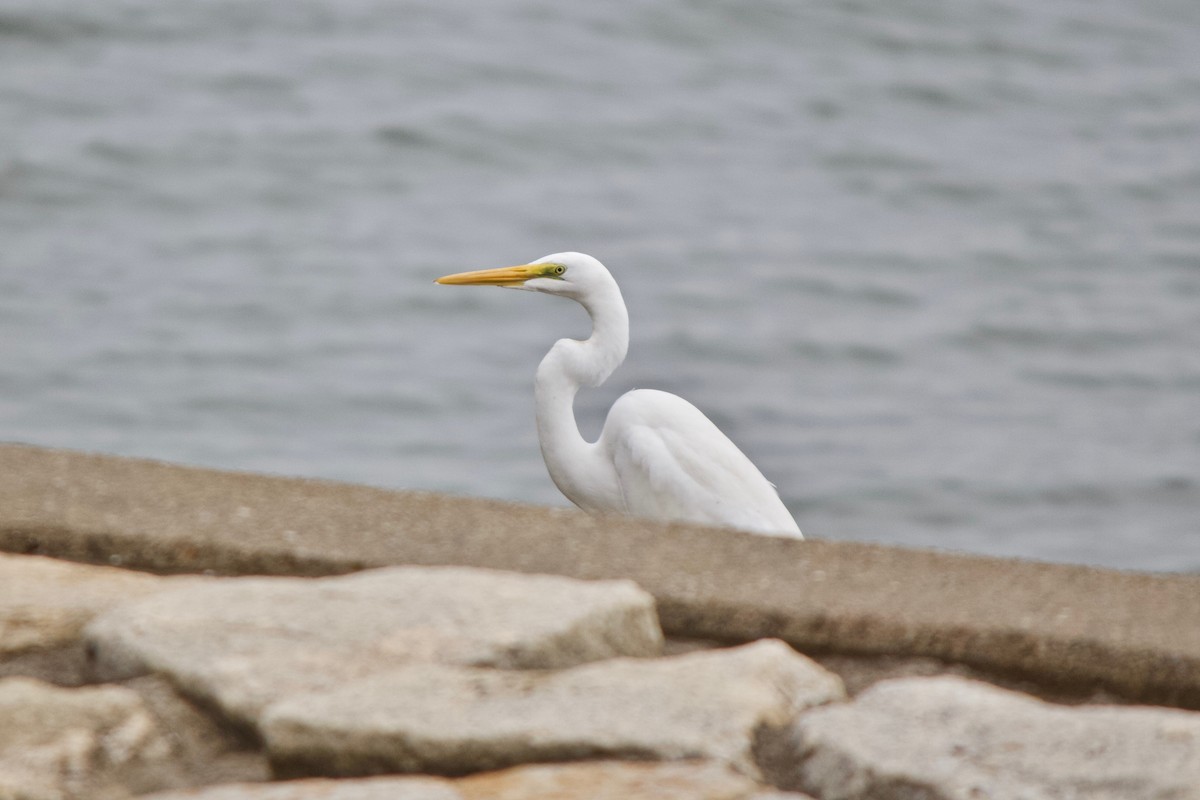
1069, 629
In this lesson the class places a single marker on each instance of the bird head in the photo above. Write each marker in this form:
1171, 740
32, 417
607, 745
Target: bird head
573, 275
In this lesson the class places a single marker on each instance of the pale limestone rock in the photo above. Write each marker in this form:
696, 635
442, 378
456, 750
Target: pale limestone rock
618, 780
725, 705
598, 780
74, 744
322, 789
949, 738
242, 643
44, 602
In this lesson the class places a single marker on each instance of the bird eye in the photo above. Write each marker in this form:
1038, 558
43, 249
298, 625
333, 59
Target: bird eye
559, 269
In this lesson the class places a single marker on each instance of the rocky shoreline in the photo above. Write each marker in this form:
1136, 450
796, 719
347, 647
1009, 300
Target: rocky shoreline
174, 632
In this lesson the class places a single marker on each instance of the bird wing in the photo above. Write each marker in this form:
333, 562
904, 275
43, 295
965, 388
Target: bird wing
672, 462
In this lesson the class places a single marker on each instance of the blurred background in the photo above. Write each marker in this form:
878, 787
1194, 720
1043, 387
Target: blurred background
934, 266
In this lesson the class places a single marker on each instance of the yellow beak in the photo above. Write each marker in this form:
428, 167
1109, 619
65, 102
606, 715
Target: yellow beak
505, 276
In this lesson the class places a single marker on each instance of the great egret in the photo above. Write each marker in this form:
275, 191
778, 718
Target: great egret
658, 456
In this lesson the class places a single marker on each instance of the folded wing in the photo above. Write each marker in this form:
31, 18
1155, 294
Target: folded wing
672, 462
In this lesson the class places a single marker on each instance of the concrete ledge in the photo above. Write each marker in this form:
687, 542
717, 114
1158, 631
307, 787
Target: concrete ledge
1065, 626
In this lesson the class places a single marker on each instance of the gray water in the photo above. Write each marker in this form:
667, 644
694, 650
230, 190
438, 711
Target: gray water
934, 266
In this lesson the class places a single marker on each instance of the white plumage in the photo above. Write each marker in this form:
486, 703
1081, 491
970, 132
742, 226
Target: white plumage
658, 456
673, 463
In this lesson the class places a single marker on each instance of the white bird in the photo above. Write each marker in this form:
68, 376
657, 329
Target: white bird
658, 456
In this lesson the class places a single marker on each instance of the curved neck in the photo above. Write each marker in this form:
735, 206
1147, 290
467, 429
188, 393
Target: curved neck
575, 467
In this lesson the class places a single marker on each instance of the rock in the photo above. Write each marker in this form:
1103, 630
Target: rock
726, 705
242, 643
599, 780
321, 789
90, 743
618, 780
45, 603
948, 738
204, 751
